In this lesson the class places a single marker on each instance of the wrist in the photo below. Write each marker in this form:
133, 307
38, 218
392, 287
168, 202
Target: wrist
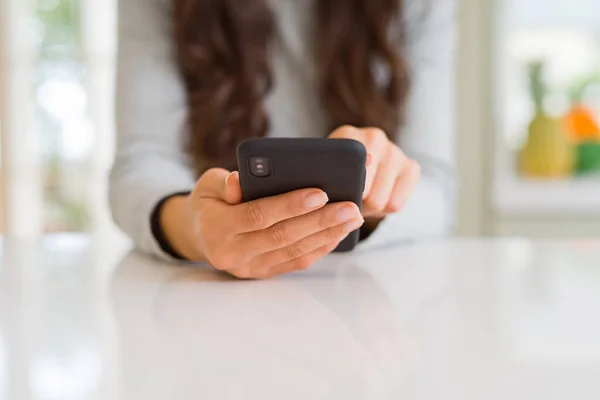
177, 227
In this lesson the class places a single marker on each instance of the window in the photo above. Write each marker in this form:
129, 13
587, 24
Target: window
57, 129
549, 158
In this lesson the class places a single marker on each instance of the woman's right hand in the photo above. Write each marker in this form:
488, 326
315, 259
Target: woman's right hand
258, 239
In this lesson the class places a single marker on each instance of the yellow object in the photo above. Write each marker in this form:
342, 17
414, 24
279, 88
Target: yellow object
548, 153
580, 124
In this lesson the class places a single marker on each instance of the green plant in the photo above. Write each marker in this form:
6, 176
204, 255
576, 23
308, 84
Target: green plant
61, 27
537, 86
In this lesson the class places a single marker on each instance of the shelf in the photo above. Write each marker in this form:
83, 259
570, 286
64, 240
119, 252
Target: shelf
514, 195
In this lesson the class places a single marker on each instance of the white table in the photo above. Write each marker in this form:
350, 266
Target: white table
467, 319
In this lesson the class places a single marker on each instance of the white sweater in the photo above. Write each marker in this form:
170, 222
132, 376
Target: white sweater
151, 114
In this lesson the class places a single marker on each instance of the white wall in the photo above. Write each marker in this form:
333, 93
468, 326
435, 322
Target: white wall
473, 132
2, 112
20, 169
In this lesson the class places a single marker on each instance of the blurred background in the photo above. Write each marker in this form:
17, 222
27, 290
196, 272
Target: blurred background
528, 135
57, 119
528, 149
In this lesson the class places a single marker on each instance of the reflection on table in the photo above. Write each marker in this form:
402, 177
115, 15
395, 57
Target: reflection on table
328, 335
83, 318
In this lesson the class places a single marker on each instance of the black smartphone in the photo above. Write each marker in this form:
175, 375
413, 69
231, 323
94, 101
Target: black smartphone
273, 166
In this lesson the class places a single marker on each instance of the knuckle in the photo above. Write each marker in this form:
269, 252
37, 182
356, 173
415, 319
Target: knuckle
224, 260
345, 131
376, 203
263, 276
294, 206
335, 234
254, 215
343, 128
324, 220
376, 134
242, 274
294, 251
257, 272
280, 235
206, 176
302, 264
330, 247
209, 175
395, 206
211, 171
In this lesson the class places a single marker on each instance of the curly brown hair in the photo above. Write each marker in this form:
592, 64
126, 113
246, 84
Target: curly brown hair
223, 55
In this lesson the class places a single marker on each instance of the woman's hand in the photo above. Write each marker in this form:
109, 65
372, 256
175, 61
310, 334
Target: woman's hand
391, 175
257, 239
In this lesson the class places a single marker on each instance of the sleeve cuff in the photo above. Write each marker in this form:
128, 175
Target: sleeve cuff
158, 232
140, 223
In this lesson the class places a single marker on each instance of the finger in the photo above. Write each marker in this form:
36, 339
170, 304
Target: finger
383, 183
264, 213
369, 161
346, 132
232, 192
300, 264
291, 231
211, 184
376, 143
309, 244
404, 187
369, 179
374, 139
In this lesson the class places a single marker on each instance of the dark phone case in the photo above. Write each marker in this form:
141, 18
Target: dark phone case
336, 166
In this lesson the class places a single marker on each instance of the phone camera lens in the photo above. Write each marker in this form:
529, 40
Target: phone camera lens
260, 166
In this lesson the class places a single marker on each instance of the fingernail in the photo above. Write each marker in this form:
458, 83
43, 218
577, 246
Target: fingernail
353, 225
228, 176
315, 199
346, 214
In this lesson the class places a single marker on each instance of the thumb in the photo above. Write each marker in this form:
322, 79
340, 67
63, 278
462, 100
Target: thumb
219, 184
232, 192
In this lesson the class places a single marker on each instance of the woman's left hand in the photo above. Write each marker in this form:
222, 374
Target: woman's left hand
391, 175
